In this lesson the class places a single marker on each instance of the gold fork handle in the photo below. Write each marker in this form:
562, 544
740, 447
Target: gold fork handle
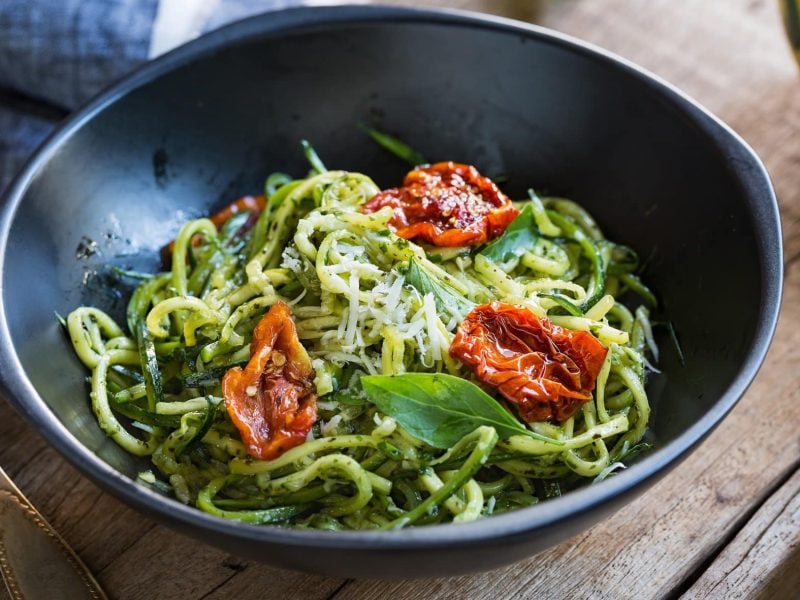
35, 562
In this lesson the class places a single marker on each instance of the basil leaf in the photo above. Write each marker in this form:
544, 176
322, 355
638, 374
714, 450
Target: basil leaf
349, 398
397, 147
313, 158
447, 299
440, 409
518, 238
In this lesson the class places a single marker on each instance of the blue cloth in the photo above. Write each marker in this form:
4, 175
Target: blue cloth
66, 50
62, 52
20, 132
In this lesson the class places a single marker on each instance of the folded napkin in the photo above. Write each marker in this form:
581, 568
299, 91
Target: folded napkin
62, 52
21, 131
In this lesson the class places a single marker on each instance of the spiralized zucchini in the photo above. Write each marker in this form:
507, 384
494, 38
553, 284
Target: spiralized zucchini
361, 307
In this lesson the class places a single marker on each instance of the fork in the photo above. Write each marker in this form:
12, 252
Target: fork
35, 561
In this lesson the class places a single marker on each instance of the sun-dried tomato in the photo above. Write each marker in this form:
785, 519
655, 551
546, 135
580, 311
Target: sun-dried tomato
547, 371
446, 204
272, 401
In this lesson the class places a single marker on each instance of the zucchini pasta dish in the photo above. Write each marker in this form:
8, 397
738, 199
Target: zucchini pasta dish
335, 356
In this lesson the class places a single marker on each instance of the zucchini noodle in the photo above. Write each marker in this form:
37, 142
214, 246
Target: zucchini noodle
360, 303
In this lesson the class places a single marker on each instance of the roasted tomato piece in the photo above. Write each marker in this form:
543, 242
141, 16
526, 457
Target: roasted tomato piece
255, 204
272, 401
446, 204
548, 372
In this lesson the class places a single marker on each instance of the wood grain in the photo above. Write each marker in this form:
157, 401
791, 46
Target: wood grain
725, 522
763, 560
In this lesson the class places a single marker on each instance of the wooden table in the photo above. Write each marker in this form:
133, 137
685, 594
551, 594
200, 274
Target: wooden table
724, 524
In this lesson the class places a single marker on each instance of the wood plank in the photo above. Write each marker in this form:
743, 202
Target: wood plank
180, 567
763, 561
268, 582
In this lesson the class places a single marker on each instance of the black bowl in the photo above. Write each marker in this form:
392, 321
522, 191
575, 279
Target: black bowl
207, 122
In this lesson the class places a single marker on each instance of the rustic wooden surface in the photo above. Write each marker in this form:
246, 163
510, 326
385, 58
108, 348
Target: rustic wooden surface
724, 524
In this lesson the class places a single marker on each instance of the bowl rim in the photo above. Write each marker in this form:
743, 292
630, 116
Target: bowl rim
751, 175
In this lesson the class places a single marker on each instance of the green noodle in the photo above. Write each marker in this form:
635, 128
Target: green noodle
365, 302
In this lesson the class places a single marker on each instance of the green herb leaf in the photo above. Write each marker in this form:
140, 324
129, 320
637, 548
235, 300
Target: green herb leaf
518, 238
149, 366
274, 182
564, 303
308, 278
608, 471
313, 158
232, 226
130, 410
591, 249
400, 149
349, 398
446, 298
674, 337
200, 422
441, 409
210, 377
628, 452
634, 284
120, 272
623, 260
552, 489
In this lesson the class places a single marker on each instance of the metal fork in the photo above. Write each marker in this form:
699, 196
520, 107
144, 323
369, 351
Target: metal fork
36, 562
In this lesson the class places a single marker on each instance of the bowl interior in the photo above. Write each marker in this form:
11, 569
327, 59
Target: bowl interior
559, 119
